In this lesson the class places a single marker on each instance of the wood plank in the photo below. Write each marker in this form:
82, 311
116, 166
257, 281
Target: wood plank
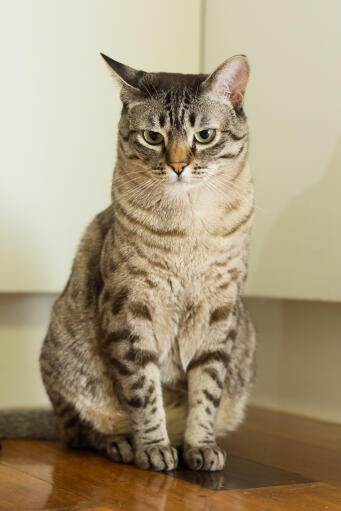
101, 481
311, 461
77, 508
46, 476
114, 486
238, 473
285, 425
96, 508
315, 497
307, 497
20, 491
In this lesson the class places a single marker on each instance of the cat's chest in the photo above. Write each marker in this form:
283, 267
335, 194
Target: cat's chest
200, 265
183, 320
181, 331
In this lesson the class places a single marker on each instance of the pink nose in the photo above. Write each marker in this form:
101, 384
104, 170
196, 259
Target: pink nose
178, 167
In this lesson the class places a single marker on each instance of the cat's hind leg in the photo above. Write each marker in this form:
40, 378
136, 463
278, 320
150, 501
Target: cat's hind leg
78, 433
239, 378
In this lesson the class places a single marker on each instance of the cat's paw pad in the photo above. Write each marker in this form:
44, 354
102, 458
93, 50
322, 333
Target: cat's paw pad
209, 457
119, 449
157, 457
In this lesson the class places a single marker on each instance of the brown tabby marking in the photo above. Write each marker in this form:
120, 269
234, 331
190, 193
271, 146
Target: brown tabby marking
140, 310
216, 356
119, 300
220, 314
149, 344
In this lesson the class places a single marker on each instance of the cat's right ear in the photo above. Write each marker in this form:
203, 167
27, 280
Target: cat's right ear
128, 77
228, 82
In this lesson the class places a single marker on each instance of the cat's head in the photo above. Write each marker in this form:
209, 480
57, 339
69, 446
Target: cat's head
182, 130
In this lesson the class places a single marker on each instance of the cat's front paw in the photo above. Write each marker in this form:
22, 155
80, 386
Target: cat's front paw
156, 457
207, 457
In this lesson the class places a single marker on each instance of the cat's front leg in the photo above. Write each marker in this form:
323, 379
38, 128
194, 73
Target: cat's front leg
206, 378
134, 363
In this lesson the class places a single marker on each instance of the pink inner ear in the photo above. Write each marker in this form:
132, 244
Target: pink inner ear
230, 77
237, 88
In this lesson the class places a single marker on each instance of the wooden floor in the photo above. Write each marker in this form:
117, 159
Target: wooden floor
277, 462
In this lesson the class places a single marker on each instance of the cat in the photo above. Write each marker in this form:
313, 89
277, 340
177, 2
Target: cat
149, 346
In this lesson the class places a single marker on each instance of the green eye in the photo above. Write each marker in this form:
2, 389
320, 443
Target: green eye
152, 137
205, 136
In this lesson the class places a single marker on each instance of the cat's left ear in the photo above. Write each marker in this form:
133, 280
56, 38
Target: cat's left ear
229, 80
128, 76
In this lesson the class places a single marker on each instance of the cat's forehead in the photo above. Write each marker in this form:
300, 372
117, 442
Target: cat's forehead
177, 107
173, 100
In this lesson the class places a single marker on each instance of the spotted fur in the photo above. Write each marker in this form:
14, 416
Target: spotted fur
149, 344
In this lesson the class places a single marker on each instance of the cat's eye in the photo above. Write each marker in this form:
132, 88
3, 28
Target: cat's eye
205, 136
152, 137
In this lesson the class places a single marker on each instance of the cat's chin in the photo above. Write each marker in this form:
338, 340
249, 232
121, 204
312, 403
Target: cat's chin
181, 185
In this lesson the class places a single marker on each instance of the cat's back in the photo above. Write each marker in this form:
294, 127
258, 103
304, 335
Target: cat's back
70, 361
74, 323
85, 282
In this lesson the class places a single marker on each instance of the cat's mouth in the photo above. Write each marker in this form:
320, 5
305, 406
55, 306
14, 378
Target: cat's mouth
183, 183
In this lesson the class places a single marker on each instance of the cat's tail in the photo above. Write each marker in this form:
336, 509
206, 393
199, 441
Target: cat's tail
33, 424
39, 424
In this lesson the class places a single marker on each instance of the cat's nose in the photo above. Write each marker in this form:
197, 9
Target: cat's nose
178, 167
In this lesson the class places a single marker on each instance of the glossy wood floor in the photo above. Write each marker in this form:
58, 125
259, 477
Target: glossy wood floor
277, 462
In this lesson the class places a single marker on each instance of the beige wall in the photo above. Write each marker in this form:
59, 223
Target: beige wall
59, 110
23, 324
294, 108
299, 353
298, 356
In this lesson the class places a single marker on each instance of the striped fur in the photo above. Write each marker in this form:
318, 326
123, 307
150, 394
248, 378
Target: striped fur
149, 343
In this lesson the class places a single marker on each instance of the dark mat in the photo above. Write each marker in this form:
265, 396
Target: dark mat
240, 474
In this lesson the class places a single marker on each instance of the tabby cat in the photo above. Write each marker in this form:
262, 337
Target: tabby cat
149, 345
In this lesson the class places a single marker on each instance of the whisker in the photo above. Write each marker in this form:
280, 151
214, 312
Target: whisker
138, 192
223, 187
132, 189
231, 186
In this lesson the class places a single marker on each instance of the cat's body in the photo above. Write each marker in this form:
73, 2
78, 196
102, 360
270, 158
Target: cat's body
151, 323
